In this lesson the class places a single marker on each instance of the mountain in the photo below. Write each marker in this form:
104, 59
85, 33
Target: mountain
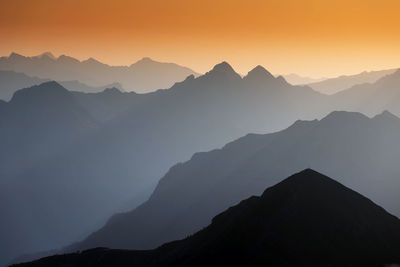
372, 98
143, 76
307, 219
36, 124
334, 85
11, 81
299, 80
362, 152
130, 141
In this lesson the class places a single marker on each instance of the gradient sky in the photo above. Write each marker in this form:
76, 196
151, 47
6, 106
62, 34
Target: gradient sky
311, 37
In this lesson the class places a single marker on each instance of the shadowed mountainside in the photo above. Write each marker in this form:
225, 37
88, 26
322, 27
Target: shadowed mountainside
360, 151
306, 220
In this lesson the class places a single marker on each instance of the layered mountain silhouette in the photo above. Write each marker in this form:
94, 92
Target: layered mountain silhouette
143, 76
372, 98
361, 152
307, 219
116, 145
11, 81
335, 85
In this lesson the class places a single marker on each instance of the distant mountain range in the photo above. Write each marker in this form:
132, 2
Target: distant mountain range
138, 77
372, 98
300, 80
11, 81
109, 149
335, 85
306, 220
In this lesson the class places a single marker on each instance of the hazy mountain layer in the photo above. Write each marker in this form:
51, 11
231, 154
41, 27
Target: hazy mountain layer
306, 220
11, 81
143, 76
334, 85
361, 152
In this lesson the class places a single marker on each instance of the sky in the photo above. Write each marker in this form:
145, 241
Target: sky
315, 38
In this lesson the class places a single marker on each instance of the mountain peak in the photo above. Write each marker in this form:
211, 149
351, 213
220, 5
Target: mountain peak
387, 115
259, 72
47, 90
14, 55
223, 67
47, 55
342, 116
144, 61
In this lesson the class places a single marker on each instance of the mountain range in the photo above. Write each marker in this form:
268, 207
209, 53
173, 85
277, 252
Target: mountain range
138, 77
307, 219
109, 149
362, 152
11, 81
338, 84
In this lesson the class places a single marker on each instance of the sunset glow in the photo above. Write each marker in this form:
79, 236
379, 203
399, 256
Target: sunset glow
311, 37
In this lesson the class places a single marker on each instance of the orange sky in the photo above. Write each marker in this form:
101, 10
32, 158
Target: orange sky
310, 37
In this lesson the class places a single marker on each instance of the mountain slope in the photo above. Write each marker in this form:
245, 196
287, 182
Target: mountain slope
361, 151
335, 85
143, 76
307, 219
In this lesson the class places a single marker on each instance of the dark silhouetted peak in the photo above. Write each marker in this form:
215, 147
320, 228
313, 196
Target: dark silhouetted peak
308, 179
307, 219
259, 73
344, 116
223, 69
48, 91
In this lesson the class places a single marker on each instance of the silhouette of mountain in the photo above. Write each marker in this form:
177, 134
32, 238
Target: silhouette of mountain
335, 85
130, 142
11, 81
372, 98
362, 152
299, 80
306, 220
139, 77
